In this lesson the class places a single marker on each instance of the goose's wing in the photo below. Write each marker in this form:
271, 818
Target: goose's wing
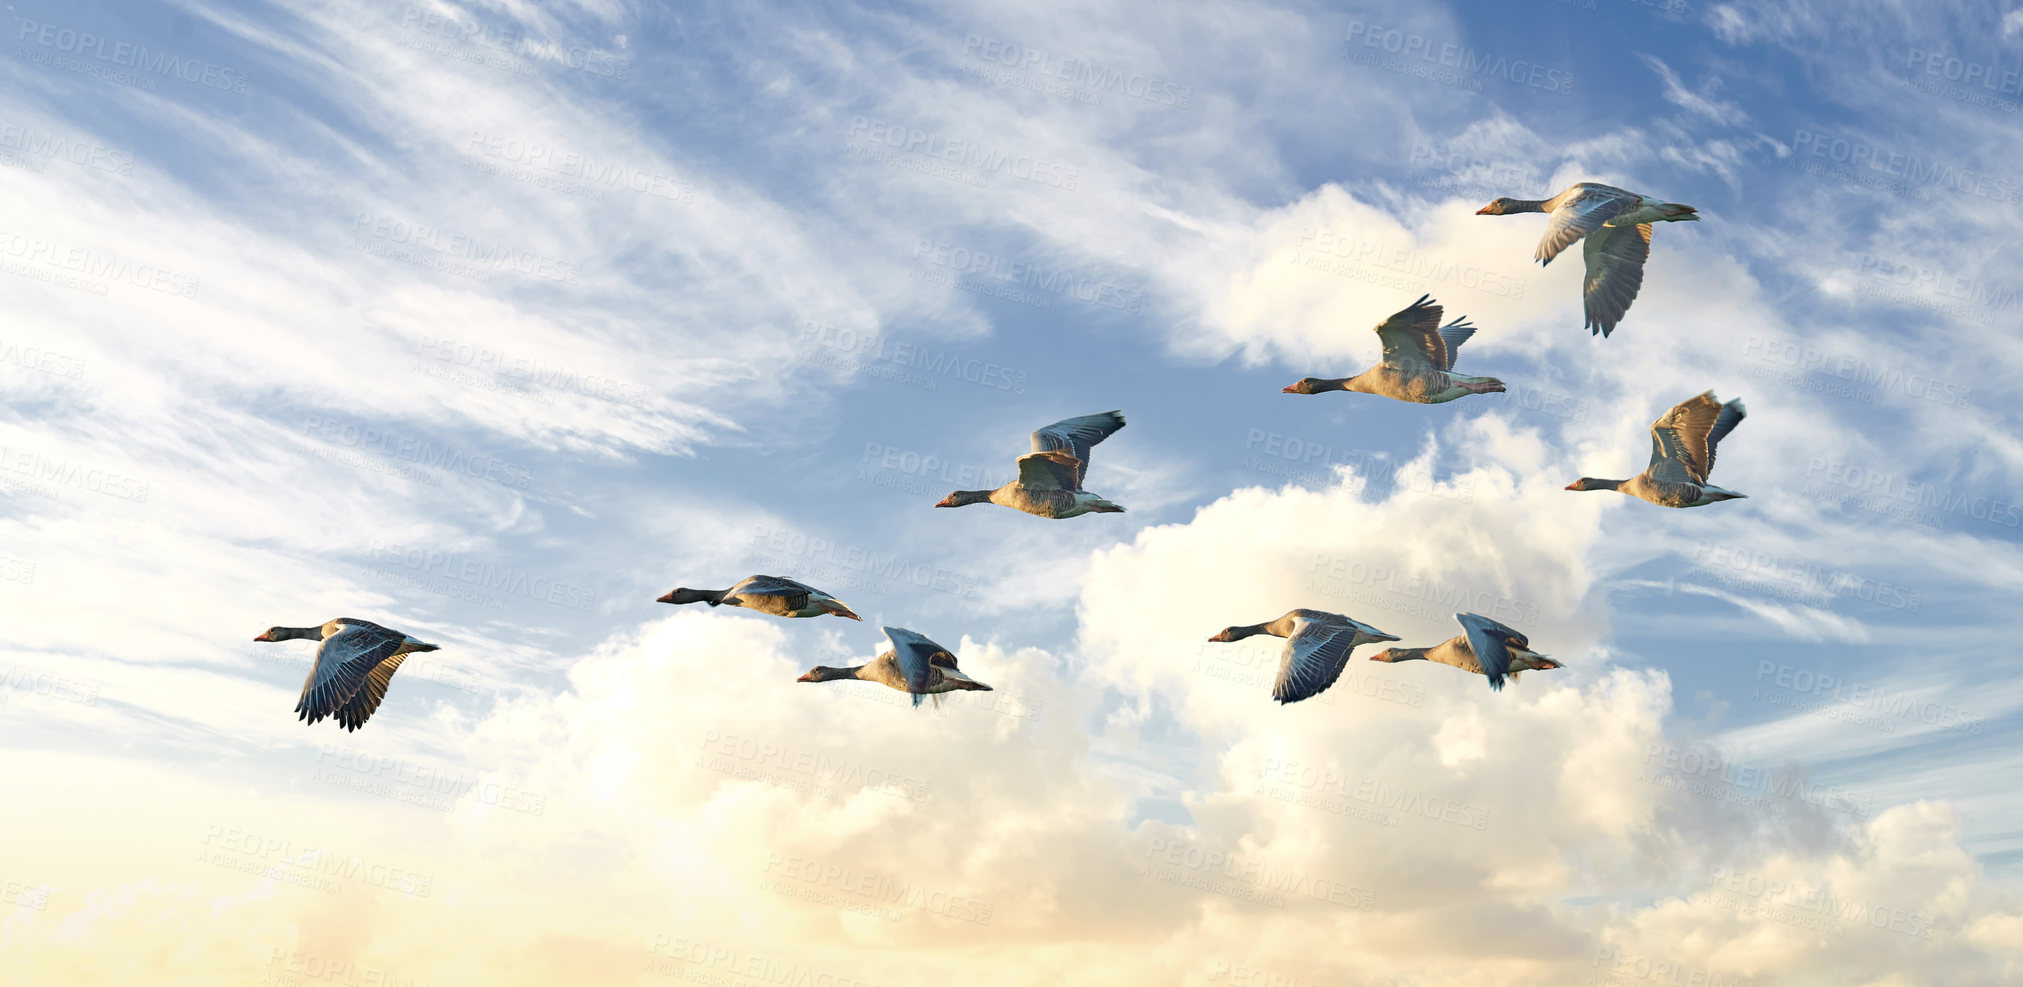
1615, 258
1731, 415
771, 586
1680, 452
365, 701
1579, 215
1314, 656
1412, 337
343, 662
1076, 436
1056, 470
793, 591
1491, 641
916, 657
1452, 335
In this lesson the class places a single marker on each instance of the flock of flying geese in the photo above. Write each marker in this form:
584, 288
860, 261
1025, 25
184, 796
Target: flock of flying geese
357, 658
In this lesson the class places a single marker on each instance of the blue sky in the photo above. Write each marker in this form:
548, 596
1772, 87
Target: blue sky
494, 321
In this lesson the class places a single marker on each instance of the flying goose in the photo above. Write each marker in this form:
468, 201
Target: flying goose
1317, 647
1682, 454
776, 595
353, 666
1418, 361
1617, 224
913, 664
1050, 477
1486, 648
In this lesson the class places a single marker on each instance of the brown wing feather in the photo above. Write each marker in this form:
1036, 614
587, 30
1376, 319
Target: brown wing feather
1412, 337
1054, 470
1679, 440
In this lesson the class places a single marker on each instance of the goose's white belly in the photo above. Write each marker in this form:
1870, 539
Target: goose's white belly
1084, 500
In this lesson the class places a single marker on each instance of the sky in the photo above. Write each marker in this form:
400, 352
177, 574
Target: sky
494, 321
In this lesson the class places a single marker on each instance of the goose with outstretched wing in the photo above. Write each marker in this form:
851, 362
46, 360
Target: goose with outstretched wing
913, 664
1317, 646
1617, 225
1050, 478
354, 665
776, 595
1683, 442
1484, 647
1418, 361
